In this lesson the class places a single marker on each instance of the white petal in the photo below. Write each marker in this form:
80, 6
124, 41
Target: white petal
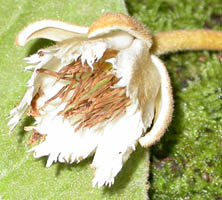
119, 40
125, 62
92, 51
33, 59
89, 50
33, 87
62, 143
117, 143
140, 77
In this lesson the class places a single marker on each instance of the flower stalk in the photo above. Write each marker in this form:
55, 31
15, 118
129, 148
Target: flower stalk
186, 40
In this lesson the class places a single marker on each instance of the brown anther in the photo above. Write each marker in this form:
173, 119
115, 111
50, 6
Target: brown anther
36, 137
92, 97
59, 94
68, 90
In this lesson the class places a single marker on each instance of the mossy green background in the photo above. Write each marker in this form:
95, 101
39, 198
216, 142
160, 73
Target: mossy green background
187, 163
21, 176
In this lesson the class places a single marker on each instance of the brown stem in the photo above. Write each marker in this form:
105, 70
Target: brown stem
179, 40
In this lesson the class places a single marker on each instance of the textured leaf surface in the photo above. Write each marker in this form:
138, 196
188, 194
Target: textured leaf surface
22, 176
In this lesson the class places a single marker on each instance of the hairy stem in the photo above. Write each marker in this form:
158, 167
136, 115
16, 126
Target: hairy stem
179, 40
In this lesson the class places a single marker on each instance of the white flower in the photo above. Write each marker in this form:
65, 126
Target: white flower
97, 91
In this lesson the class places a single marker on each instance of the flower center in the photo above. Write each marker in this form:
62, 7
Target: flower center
89, 96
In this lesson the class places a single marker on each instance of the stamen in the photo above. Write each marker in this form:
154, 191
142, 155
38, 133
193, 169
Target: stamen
89, 94
59, 94
51, 73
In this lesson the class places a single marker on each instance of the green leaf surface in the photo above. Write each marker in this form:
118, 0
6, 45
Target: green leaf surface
22, 176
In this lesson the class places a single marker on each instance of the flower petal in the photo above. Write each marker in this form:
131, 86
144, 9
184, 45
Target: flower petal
33, 86
164, 107
140, 77
50, 29
88, 51
117, 143
113, 40
62, 143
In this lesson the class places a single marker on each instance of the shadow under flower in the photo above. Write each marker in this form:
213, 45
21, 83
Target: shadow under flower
38, 44
66, 166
